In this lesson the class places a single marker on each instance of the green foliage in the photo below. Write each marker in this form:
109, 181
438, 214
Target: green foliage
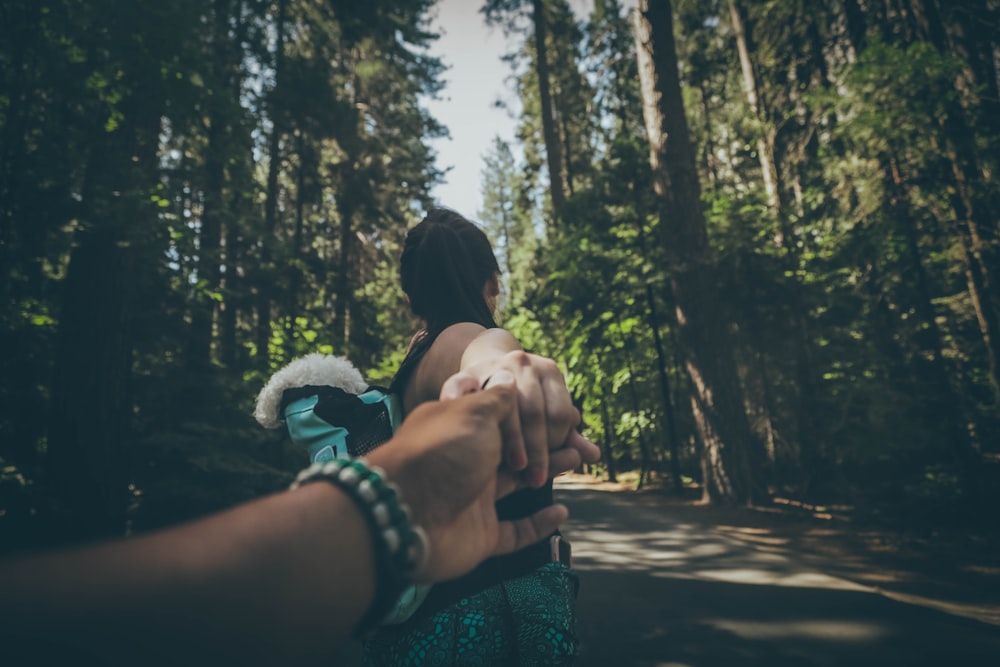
859, 296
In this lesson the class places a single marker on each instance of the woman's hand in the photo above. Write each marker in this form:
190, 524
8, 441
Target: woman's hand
447, 460
547, 416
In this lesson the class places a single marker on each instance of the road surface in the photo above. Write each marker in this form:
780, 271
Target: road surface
662, 589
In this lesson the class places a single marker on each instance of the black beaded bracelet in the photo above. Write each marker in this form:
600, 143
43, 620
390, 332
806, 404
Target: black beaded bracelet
401, 548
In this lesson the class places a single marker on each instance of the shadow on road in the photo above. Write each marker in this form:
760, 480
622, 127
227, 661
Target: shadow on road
659, 591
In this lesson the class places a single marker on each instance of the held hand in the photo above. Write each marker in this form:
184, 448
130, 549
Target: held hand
548, 418
446, 459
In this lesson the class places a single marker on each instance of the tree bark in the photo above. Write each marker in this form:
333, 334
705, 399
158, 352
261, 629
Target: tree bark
609, 437
271, 202
947, 401
204, 309
971, 211
553, 147
91, 406
647, 459
765, 137
717, 402
668, 404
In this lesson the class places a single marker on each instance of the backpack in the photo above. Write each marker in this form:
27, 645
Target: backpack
330, 411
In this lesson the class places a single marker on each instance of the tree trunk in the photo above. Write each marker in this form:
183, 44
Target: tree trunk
230, 305
553, 147
647, 459
293, 300
765, 138
344, 287
271, 202
972, 212
609, 437
653, 322
668, 403
717, 402
857, 29
203, 310
91, 406
948, 402
976, 42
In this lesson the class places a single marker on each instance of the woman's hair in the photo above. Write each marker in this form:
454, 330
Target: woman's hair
445, 264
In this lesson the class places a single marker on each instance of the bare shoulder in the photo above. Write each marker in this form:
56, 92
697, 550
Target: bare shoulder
442, 360
457, 337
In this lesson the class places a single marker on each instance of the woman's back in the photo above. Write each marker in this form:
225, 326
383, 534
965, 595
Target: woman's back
451, 278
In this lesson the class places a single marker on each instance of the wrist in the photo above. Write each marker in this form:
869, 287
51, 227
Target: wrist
400, 546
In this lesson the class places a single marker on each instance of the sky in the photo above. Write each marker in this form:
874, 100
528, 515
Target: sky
476, 78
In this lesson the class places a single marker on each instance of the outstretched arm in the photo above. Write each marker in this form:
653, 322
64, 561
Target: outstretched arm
284, 579
466, 356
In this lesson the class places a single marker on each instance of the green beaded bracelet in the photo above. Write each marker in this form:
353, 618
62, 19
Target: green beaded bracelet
401, 548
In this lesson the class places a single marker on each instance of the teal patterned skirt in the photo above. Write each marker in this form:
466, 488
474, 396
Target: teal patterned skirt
530, 620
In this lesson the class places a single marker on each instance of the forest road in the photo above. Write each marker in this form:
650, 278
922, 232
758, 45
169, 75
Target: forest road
660, 589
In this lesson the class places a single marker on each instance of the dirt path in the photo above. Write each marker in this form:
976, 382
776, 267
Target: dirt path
670, 583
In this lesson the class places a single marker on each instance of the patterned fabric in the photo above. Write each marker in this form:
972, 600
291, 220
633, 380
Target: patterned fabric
529, 620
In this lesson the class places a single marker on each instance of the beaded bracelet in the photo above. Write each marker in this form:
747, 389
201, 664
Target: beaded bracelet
401, 548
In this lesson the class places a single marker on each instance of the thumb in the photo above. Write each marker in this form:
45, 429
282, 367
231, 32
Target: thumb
459, 384
519, 533
501, 384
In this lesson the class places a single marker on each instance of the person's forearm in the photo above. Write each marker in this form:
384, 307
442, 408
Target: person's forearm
489, 345
270, 581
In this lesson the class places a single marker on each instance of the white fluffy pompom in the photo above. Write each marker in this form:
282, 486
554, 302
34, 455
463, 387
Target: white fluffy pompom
313, 369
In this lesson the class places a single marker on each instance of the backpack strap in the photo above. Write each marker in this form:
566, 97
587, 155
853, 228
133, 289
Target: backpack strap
330, 422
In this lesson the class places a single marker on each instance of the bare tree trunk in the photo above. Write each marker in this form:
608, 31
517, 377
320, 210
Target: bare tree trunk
947, 398
765, 138
292, 301
553, 147
210, 238
971, 211
271, 203
344, 289
609, 437
717, 402
647, 459
91, 406
668, 403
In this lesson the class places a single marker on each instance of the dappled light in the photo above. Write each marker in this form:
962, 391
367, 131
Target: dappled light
826, 629
662, 584
687, 551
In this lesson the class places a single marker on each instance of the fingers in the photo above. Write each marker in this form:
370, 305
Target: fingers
563, 460
545, 418
562, 415
459, 384
514, 535
588, 451
534, 419
514, 454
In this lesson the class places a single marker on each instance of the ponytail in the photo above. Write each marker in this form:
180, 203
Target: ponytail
445, 264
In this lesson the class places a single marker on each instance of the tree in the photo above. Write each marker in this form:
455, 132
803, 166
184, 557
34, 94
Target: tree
509, 223
729, 445
510, 11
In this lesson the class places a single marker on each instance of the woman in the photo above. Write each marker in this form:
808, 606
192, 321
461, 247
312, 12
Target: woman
516, 609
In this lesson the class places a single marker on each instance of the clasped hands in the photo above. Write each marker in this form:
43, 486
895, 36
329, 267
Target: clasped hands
500, 426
